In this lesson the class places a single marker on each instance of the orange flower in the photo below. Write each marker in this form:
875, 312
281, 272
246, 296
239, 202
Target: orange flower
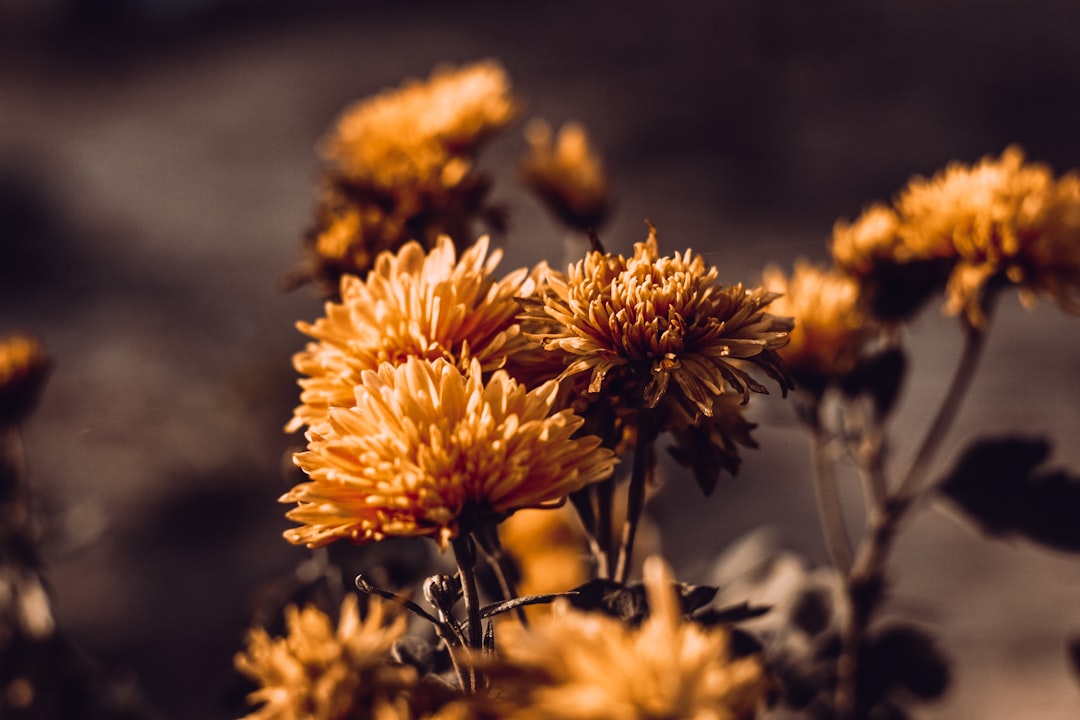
431, 451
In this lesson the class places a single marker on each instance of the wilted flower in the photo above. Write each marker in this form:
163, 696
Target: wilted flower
24, 366
647, 320
400, 167
830, 326
412, 304
566, 174
431, 451
317, 672
586, 666
1004, 220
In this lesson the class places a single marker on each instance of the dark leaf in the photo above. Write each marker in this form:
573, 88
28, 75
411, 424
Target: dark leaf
696, 596
998, 484
903, 657
812, 612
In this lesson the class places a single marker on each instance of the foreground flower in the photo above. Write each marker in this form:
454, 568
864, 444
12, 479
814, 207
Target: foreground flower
318, 672
1005, 220
400, 167
566, 174
431, 451
830, 327
411, 305
587, 666
651, 320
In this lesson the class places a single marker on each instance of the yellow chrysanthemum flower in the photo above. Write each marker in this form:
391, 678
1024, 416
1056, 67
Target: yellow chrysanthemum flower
588, 666
431, 451
400, 167
830, 326
653, 320
1003, 219
412, 304
318, 672
567, 174
856, 247
422, 132
24, 366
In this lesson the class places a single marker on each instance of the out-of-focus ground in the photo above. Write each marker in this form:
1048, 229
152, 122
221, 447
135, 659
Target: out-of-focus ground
156, 167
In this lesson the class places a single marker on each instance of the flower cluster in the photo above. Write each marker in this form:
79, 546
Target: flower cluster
1001, 221
577, 664
321, 672
401, 166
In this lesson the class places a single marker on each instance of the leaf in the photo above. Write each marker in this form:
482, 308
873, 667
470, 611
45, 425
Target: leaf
904, 657
999, 484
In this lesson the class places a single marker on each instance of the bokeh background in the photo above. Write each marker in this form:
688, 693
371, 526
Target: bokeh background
156, 174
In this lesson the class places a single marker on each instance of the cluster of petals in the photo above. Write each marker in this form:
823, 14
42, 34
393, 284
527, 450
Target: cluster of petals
659, 319
567, 174
1002, 220
428, 450
423, 131
321, 672
587, 665
831, 326
412, 304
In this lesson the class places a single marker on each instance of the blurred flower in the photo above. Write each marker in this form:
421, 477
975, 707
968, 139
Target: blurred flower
566, 174
549, 549
583, 665
649, 320
872, 238
423, 131
410, 305
24, 366
317, 672
1004, 220
429, 450
830, 327
400, 167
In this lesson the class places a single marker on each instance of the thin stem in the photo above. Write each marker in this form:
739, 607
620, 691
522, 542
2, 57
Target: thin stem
866, 580
644, 461
584, 503
488, 542
974, 342
830, 510
465, 554
605, 501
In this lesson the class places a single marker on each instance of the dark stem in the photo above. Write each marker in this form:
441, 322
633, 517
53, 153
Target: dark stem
584, 503
605, 501
866, 581
465, 554
487, 540
644, 462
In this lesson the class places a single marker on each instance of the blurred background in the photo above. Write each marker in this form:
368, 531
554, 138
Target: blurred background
157, 170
